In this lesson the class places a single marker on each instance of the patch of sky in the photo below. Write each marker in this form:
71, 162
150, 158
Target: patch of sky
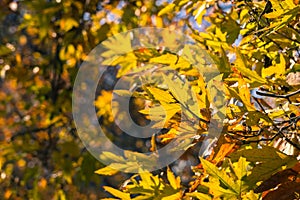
225, 6
86, 16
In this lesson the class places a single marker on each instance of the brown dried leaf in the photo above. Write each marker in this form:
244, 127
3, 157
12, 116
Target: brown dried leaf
293, 78
288, 190
276, 179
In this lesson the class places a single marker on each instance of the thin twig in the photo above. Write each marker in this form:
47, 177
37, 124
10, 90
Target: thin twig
33, 130
280, 130
287, 96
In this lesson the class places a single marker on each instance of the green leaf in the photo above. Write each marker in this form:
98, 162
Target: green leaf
4, 50
266, 160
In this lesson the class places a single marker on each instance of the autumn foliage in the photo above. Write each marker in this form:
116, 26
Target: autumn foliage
255, 45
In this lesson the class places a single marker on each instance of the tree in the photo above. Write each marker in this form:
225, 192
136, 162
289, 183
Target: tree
254, 45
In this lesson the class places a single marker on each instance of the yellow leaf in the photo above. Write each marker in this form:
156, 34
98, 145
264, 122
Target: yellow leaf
174, 182
217, 191
71, 49
184, 95
21, 163
119, 44
199, 12
241, 65
167, 9
199, 195
165, 59
290, 4
158, 21
274, 14
168, 136
278, 69
106, 171
245, 95
110, 157
148, 181
221, 175
161, 95
173, 60
240, 169
62, 53
117, 193
163, 112
127, 62
67, 24
61, 195
176, 196
220, 35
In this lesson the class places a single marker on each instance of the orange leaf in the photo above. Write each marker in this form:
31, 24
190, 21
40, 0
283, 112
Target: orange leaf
225, 149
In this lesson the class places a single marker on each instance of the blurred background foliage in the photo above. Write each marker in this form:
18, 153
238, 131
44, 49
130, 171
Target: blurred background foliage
42, 44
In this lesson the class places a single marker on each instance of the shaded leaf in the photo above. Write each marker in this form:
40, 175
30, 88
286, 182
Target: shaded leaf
288, 190
267, 161
276, 179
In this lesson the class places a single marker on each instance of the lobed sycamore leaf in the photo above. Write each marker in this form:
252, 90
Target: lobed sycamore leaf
267, 161
241, 65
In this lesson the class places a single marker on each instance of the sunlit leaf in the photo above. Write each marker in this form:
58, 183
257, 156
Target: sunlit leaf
241, 65
174, 182
68, 23
106, 171
199, 196
167, 9
278, 69
220, 176
117, 193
